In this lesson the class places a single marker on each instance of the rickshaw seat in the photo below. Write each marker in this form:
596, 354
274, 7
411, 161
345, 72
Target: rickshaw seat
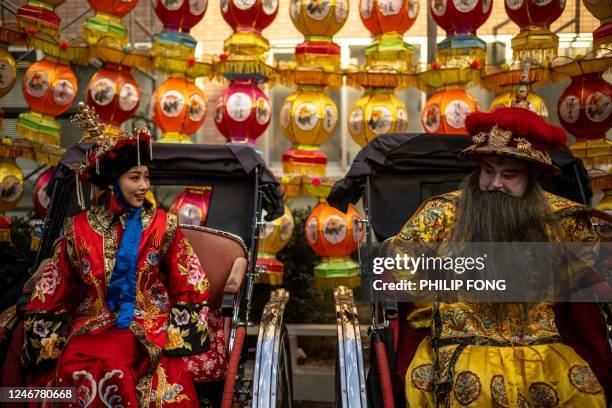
223, 258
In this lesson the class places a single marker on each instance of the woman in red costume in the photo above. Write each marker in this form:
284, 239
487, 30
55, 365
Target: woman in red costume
124, 295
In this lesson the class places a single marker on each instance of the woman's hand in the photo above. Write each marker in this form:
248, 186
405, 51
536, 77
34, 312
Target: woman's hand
28, 287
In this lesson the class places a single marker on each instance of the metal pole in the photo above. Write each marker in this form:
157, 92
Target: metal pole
432, 33
77, 18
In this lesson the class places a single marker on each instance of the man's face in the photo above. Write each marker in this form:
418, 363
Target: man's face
507, 175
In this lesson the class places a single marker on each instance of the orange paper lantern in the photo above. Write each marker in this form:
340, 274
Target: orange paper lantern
446, 110
179, 108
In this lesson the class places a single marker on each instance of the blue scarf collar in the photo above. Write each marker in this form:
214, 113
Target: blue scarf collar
121, 292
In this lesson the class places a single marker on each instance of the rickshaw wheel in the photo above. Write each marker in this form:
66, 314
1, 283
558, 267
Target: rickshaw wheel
272, 381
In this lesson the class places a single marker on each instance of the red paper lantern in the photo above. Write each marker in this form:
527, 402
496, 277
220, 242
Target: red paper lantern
49, 87
179, 108
114, 94
585, 107
534, 17
40, 197
387, 16
178, 18
602, 9
107, 20
460, 19
191, 206
40, 16
242, 112
248, 18
445, 112
388, 20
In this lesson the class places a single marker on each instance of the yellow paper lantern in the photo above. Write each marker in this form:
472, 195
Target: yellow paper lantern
275, 235
318, 21
8, 71
11, 183
308, 118
536, 103
377, 112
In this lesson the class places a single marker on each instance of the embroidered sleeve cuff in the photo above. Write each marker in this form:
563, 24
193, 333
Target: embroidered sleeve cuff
187, 330
44, 339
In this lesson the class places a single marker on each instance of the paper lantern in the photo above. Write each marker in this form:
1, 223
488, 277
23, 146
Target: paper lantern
446, 110
39, 16
49, 87
11, 184
536, 103
585, 107
376, 113
318, 21
40, 195
308, 118
535, 41
248, 18
8, 71
602, 10
179, 108
275, 235
114, 94
334, 236
191, 206
460, 19
387, 21
107, 21
178, 17
242, 111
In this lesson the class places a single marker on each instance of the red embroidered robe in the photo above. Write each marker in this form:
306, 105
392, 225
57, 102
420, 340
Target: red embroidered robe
68, 312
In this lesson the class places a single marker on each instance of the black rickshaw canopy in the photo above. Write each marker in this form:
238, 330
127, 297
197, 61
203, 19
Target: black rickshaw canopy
233, 171
406, 169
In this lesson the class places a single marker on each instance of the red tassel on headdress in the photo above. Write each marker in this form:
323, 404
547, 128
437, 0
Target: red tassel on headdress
522, 123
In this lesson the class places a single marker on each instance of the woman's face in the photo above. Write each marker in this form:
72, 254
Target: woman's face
134, 185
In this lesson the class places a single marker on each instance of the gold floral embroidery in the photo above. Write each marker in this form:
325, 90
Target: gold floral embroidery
143, 388
167, 393
171, 225
43, 337
187, 329
175, 338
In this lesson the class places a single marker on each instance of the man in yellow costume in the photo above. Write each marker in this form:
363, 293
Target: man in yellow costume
483, 355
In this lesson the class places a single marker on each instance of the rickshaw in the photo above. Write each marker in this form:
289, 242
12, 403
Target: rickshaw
393, 175
242, 187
